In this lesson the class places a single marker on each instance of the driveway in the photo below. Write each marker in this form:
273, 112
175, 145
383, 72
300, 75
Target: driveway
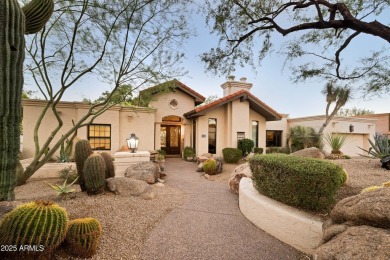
209, 225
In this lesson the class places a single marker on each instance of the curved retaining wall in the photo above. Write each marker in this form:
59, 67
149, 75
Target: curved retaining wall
290, 225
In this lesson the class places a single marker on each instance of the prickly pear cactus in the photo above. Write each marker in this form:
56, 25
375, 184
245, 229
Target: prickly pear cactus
83, 236
15, 22
82, 151
40, 223
94, 174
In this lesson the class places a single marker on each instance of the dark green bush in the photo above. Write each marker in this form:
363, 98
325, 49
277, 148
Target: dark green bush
231, 155
245, 145
297, 181
258, 150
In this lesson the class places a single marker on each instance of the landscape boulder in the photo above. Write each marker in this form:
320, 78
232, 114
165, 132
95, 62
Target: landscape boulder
238, 173
312, 152
358, 242
130, 187
370, 208
200, 167
145, 171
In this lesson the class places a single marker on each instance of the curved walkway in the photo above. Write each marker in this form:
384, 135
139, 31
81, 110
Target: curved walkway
209, 225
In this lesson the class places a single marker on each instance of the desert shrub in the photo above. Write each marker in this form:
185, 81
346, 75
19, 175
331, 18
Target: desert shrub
335, 141
231, 155
68, 173
210, 166
284, 150
188, 152
258, 150
297, 181
245, 145
301, 137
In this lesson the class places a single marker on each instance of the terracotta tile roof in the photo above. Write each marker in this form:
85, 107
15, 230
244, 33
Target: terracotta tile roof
255, 103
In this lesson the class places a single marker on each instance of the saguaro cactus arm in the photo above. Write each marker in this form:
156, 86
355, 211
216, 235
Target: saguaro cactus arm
37, 13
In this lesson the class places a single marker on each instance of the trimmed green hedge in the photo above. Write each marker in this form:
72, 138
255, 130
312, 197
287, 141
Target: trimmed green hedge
297, 181
258, 150
231, 155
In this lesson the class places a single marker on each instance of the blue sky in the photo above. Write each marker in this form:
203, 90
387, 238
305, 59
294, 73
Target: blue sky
270, 84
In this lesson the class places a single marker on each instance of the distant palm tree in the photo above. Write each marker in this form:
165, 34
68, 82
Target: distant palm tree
301, 137
334, 94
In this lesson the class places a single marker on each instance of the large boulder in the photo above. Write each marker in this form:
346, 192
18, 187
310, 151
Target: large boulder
238, 173
370, 208
145, 171
130, 187
385, 161
359, 242
312, 152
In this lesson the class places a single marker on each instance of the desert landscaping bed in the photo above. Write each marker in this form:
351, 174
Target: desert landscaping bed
126, 221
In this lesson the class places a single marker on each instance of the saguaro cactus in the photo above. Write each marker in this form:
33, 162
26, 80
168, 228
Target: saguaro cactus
15, 22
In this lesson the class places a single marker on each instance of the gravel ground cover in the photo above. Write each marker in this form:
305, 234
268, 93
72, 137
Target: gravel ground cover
126, 221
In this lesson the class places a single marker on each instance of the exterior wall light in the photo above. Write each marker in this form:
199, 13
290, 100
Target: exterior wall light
351, 128
132, 142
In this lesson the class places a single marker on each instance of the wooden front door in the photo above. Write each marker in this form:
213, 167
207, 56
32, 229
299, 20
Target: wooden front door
170, 139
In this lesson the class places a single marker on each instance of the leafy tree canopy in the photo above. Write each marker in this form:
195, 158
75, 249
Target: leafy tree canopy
320, 33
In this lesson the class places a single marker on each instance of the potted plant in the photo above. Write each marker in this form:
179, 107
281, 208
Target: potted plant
188, 154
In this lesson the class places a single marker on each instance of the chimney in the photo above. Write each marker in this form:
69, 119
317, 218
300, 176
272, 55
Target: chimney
231, 86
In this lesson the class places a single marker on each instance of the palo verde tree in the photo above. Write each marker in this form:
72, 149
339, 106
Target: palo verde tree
15, 23
318, 33
130, 43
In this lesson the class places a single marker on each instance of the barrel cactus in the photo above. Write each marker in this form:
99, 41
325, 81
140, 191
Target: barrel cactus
82, 151
94, 174
110, 169
83, 236
210, 166
15, 22
40, 223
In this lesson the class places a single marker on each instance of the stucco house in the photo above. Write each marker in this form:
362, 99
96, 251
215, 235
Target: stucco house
358, 131
172, 120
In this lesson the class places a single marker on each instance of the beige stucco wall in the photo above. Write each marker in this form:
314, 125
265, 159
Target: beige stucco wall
363, 129
123, 121
382, 125
202, 130
161, 101
240, 121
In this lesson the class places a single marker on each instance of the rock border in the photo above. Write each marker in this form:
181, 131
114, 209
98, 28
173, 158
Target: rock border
290, 225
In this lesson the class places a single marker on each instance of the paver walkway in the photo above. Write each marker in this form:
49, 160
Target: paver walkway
209, 225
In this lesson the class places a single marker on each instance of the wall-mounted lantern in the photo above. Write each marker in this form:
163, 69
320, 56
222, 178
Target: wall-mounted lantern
351, 128
132, 142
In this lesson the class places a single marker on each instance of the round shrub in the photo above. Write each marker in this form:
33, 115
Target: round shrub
297, 181
245, 145
210, 166
231, 155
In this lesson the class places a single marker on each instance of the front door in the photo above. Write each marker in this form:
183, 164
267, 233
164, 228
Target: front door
170, 139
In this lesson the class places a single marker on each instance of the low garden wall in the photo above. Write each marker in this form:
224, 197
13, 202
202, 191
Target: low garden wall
290, 225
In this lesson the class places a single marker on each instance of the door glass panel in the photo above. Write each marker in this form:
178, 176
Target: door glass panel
174, 137
163, 136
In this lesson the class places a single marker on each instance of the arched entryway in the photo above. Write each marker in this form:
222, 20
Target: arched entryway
170, 134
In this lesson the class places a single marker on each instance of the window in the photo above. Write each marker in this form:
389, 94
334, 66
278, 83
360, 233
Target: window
99, 137
255, 133
212, 135
274, 138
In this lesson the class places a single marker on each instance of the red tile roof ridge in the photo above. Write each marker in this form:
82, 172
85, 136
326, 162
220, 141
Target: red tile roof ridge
216, 102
